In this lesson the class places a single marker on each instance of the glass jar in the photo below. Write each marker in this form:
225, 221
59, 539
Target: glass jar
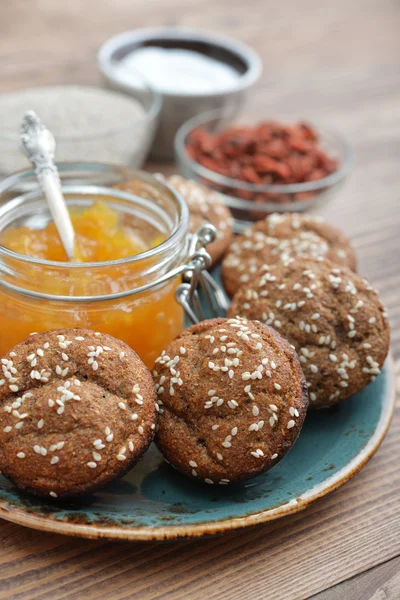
133, 298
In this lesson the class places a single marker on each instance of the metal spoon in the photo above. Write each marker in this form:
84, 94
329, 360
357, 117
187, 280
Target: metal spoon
39, 145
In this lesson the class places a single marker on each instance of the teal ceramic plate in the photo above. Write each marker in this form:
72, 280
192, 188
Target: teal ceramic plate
154, 502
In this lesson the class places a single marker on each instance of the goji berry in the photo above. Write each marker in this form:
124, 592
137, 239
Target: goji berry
269, 153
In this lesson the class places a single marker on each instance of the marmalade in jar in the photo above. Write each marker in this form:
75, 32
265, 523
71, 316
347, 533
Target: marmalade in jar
147, 321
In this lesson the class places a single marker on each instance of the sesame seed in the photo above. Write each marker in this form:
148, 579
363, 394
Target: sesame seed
291, 424
92, 465
14, 388
215, 427
110, 437
21, 455
64, 356
193, 463
274, 456
131, 446
96, 456
372, 320
36, 449
140, 430
7, 429
54, 460
121, 457
254, 454
314, 368
53, 494
352, 333
277, 386
255, 411
122, 405
40, 424
333, 357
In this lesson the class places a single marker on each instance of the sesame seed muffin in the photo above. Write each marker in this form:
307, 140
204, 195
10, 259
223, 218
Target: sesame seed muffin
280, 237
205, 206
232, 400
333, 318
78, 410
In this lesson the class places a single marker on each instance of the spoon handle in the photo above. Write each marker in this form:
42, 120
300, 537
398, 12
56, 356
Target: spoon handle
39, 145
58, 209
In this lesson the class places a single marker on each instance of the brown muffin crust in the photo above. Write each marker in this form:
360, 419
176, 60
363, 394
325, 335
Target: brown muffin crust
232, 400
205, 206
77, 409
280, 237
333, 318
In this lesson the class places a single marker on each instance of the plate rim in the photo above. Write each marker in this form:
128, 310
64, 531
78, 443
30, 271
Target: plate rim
174, 532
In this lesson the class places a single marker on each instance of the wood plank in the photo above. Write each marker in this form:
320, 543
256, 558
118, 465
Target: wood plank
380, 583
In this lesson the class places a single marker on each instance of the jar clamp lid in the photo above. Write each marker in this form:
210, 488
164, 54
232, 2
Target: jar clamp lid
196, 278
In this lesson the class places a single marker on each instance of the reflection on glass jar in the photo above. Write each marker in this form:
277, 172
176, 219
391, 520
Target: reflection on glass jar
132, 298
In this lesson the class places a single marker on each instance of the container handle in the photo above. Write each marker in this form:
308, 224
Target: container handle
197, 282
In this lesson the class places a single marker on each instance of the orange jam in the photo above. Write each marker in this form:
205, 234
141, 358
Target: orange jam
146, 321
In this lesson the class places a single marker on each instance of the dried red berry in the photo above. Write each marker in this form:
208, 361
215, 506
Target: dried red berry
269, 153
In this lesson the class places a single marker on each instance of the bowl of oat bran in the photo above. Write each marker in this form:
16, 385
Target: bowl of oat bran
89, 123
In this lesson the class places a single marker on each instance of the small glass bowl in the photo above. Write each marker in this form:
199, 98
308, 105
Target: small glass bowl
296, 197
127, 145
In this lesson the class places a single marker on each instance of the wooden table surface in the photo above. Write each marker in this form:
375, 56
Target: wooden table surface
332, 62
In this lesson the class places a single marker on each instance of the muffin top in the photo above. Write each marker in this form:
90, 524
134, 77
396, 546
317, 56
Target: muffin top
281, 237
78, 409
232, 400
205, 206
333, 318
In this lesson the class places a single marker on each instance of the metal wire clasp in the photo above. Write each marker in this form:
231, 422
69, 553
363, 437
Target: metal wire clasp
199, 294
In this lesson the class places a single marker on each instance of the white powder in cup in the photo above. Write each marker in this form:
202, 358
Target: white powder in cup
177, 71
